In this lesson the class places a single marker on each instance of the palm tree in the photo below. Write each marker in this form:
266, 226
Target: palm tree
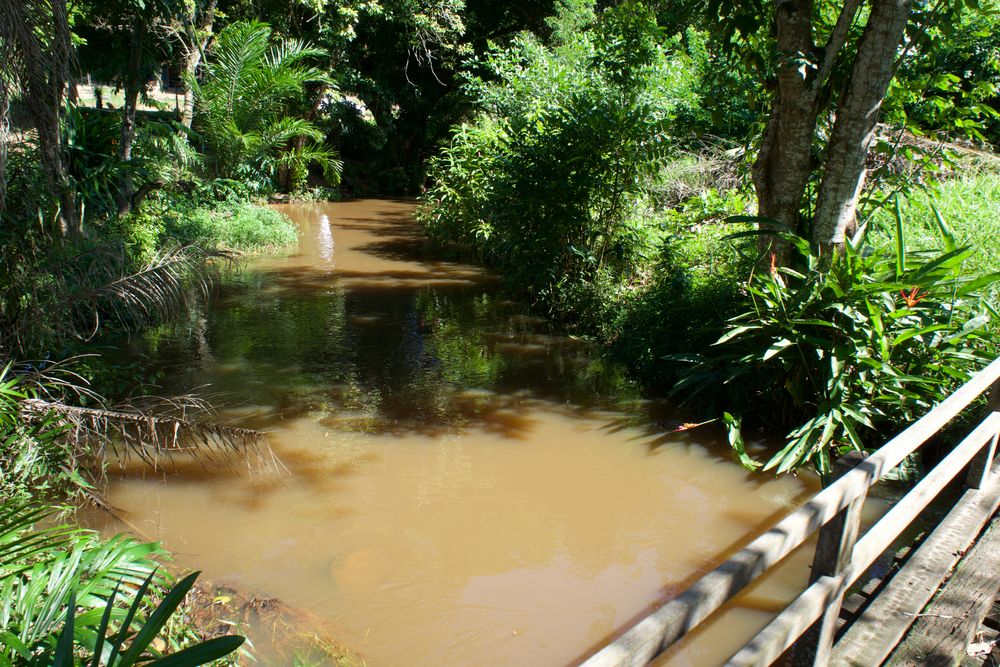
242, 106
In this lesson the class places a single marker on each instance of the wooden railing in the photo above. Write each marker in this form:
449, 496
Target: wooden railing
809, 621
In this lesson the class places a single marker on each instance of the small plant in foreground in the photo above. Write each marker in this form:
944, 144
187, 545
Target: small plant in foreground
109, 649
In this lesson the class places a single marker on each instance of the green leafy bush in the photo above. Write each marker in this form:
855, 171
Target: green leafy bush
544, 182
692, 289
66, 594
244, 108
865, 341
100, 637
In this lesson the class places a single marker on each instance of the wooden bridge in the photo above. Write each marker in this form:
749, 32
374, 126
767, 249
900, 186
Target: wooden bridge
928, 613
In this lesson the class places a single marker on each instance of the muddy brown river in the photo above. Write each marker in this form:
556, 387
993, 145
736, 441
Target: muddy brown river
462, 485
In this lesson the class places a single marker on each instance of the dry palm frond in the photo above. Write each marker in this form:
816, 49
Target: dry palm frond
54, 381
79, 294
150, 436
158, 290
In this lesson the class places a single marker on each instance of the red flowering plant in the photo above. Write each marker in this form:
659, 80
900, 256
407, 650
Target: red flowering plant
845, 347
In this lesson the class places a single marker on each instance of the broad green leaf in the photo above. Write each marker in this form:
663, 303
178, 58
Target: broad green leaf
200, 654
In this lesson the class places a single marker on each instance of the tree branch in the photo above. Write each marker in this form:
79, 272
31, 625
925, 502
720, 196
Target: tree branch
838, 37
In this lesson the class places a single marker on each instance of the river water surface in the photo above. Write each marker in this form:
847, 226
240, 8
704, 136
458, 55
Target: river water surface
463, 485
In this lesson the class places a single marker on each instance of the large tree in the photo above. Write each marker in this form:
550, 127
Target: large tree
829, 66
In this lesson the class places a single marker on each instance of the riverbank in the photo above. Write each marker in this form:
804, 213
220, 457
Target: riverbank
63, 420
463, 479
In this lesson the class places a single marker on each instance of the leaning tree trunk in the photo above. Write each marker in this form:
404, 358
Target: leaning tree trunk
43, 67
783, 164
132, 83
854, 129
199, 32
4, 127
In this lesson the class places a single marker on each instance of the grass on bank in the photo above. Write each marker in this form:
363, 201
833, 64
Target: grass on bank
229, 224
692, 282
968, 205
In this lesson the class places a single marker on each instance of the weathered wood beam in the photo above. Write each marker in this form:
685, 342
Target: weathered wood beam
779, 635
654, 633
872, 636
834, 549
944, 630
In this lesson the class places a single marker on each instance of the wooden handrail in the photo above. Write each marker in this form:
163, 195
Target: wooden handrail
654, 633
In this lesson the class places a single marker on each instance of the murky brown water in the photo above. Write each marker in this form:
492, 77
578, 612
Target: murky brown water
464, 486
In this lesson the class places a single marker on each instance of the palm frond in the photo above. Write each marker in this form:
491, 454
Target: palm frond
83, 291
43, 569
243, 103
151, 435
158, 290
283, 130
319, 154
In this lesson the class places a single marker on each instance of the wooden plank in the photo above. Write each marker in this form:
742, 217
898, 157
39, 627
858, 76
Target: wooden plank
855, 603
836, 539
948, 625
883, 623
834, 548
778, 635
660, 629
980, 465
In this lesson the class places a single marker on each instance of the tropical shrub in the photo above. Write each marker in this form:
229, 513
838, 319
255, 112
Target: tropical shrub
544, 181
244, 108
139, 651
860, 342
692, 289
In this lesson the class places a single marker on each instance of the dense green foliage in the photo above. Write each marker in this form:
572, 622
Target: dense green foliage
875, 339
606, 158
645, 264
571, 132
227, 224
243, 113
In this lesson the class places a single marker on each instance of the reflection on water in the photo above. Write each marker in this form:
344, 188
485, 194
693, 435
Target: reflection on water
325, 239
464, 486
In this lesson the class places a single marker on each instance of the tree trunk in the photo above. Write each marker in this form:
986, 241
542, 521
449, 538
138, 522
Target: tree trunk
783, 164
199, 32
854, 129
4, 129
44, 71
132, 82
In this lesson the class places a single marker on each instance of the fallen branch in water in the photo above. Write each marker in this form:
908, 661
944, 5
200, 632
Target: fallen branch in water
145, 434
